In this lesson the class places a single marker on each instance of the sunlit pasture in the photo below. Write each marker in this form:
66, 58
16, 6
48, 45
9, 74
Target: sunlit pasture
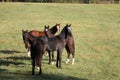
96, 30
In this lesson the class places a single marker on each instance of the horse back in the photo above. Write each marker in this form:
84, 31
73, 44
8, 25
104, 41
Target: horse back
37, 48
37, 33
55, 43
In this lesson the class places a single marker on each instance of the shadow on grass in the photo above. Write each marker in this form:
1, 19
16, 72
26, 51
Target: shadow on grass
3, 70
15, 58
10, 51
7, 63
58, 77
20, 76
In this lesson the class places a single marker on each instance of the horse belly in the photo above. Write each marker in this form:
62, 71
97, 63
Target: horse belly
52, 46
70, 41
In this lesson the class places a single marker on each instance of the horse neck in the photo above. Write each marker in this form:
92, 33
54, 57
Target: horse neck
70, 34
31, 38
62, 34
53, 30
49, 34
37, 33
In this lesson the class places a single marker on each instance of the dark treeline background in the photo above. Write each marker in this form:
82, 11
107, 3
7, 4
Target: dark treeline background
66, 1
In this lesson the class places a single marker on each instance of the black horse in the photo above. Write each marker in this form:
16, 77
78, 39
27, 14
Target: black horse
70, 46
37, 48
57, 43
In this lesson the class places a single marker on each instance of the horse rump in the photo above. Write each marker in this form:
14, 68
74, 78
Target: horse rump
37, 50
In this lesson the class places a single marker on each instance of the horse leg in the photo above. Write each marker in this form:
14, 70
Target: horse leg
49, 57
38, 61
73, 59
29, 53
73, 55
60, 58
52, 57
33, 66
68, 52
68, 58
40, 69
57, 59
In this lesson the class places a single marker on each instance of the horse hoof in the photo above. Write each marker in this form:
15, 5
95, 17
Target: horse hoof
40, 73
49, 63
60, 67
73, 61
32, 73
52, 63
29, 54
57, 66
68, 60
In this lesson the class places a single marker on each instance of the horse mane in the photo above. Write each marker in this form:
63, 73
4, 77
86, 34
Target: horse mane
31, 37
70, 34
48, 32
66, 31
53, 30
62, 34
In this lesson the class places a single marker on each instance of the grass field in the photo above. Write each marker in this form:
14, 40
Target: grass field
96, 30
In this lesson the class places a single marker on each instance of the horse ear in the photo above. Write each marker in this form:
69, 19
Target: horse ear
67, 24
59, 24
48, 26
26, 30
70, 25
22, 30
45, 26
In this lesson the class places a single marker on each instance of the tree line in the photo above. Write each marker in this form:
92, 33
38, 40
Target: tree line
65, 1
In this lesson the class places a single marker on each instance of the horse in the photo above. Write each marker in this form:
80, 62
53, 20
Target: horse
57, 43
36, 33
27, 45
53, 30
37, 49
50, 35
70, 46
47, 31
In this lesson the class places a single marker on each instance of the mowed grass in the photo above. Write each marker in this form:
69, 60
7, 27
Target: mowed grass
96, 30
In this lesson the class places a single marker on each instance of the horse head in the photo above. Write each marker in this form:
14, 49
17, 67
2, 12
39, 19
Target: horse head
47, 31
46, 28
58, 26
66, 31
69, 29
25, 38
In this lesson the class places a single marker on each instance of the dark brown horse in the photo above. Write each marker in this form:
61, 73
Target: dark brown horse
57, 43
70, 46
48, 32
37, 50
50, 35
53, 30
36, 33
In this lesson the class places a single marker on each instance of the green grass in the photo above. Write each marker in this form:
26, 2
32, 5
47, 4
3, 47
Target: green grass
96, 30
